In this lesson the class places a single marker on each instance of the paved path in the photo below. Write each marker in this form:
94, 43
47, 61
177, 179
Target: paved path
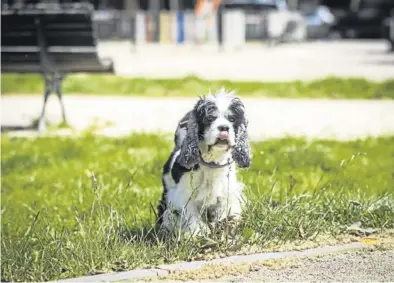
302, 61
358, 261
361, 266
340, 119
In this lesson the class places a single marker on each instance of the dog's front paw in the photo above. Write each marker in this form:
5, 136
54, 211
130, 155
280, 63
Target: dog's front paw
230, 224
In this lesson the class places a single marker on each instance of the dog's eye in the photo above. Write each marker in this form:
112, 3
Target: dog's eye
231, 118
211, 118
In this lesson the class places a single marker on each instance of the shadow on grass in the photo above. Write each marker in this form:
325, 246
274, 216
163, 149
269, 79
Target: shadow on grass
6, 128
34, 126
147, 234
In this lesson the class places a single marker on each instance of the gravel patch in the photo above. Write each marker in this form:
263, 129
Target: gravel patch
360, 266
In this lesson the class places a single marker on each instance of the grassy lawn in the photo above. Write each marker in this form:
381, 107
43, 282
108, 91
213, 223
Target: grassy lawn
72, 207
191, 86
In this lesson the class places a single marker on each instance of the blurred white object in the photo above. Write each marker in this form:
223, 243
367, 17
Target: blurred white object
286, 25
319, 20
140, 28
281, 5
234, 29
326, 15
321, 15
189, 27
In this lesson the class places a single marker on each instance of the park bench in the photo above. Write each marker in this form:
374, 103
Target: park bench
52, 40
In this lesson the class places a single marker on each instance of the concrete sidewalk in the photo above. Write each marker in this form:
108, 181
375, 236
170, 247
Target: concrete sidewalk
269, 118
354, 266
358, 261
255, 62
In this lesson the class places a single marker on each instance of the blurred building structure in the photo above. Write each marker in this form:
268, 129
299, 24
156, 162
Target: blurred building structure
177, 21
154, 5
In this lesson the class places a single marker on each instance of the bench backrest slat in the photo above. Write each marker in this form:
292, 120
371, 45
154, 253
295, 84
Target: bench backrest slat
69, 42
18, 31
59, 30
69, 30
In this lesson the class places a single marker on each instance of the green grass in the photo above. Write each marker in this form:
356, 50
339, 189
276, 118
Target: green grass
330, 87
71, 207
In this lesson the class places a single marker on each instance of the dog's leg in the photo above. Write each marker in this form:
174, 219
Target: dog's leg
195, 226
228, 215
230, 207
192, 222
234, 208
169, 221
184, 222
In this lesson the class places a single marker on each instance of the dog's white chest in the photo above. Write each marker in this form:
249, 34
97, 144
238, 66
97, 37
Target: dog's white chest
212, 185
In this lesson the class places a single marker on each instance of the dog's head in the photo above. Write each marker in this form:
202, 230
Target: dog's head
217, 128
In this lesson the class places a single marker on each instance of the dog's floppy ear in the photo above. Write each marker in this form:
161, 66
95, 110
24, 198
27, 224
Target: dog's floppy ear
190, 151
241, 150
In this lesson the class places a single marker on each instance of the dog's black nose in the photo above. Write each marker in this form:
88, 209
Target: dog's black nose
223, 128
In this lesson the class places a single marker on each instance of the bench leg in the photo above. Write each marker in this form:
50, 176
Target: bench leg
49, 88
41, 121
52, 84
58, 90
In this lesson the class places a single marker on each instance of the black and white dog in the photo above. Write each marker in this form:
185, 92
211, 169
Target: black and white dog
199, 178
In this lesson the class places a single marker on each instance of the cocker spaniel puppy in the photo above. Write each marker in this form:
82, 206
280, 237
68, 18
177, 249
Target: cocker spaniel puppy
199, 178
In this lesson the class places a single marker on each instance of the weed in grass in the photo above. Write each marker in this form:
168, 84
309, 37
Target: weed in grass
73, 207
330, 87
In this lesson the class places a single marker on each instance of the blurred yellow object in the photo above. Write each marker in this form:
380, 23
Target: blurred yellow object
370, 240
165, 27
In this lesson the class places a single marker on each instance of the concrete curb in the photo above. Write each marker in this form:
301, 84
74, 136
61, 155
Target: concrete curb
165, 269
136, 274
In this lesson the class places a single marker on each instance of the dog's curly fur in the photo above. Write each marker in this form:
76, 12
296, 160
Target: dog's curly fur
199, 178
